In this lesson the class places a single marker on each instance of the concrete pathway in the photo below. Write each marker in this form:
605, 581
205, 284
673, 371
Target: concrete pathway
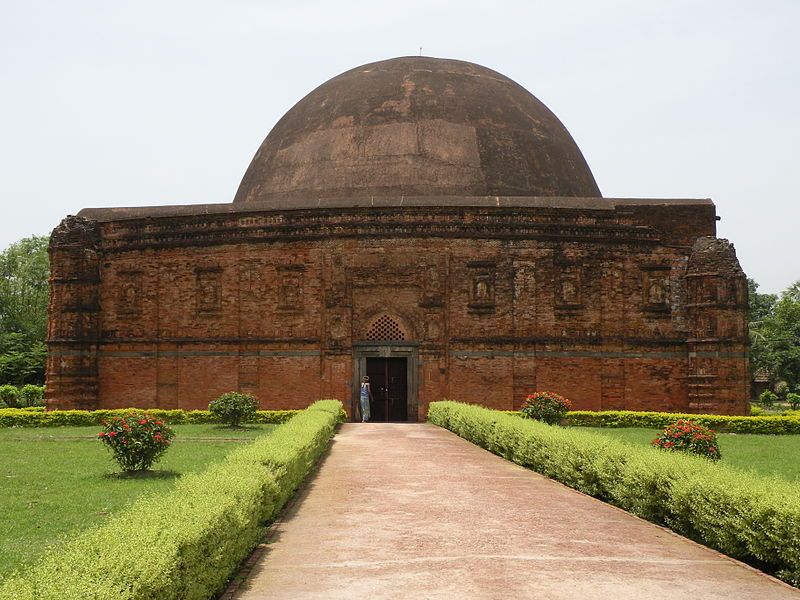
413, 511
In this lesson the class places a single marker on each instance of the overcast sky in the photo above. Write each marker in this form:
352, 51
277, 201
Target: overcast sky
112, 103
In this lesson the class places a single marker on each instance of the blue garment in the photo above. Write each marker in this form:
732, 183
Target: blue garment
364, 401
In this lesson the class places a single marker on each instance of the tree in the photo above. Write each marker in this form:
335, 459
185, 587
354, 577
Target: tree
21, 361
785, 335
761, 305
24, 277
24, 288
775, 334
760, 315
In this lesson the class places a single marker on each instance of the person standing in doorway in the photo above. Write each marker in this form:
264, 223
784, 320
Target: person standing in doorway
365, 399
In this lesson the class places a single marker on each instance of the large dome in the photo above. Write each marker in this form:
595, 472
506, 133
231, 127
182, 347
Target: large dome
418, 126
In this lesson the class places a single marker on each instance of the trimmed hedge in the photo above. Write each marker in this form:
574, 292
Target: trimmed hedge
774, 425
751, 518
186, 543
17, 417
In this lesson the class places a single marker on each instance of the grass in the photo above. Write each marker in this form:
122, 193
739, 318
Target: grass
58, 481
772, 455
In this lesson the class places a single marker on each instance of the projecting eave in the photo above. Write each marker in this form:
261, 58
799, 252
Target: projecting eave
282, 205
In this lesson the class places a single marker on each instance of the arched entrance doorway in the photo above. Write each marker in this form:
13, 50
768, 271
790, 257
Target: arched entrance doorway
389, 358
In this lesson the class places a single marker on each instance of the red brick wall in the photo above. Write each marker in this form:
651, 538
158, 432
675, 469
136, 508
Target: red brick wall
593, 304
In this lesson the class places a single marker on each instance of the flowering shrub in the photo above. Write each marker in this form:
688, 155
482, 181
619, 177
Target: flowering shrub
547, 407
234, 408
686, 436
137, 440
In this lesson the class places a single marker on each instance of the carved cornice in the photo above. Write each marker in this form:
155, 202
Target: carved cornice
417, 222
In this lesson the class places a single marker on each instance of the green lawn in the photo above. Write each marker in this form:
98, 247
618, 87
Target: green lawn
777, 455
56, 481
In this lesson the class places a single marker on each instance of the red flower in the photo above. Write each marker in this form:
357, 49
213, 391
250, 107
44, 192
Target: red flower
101, 434
112, 433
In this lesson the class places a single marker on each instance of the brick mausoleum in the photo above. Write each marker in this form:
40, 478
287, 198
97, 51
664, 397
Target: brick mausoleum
427, 222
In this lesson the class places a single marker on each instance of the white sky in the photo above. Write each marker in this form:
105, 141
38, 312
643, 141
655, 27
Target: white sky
123, 103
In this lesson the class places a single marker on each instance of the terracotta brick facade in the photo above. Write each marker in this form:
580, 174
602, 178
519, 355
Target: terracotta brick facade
615, 304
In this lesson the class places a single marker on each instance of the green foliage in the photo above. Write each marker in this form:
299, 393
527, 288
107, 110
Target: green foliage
9, 396
186, 543
686, 436
767, 398
775, 334
760, 305
31, 395
234, 408
24, 275
767, 455
136, 441
748, 517
24, 286
775, 425
57, 418
59, 481
793, 399
547, 407
756, 411
21, 360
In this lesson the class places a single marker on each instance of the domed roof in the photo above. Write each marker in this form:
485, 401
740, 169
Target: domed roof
418, 126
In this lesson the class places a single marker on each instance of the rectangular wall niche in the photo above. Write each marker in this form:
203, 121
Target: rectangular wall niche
656, 290
129, 298
482, 292
569, 294
290, 287
209, 290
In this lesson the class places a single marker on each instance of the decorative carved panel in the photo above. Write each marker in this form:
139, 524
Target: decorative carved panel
336, 276
290, 287
209, 290
338, 329
434, 327
568, 291
129, 294
250, 280
706, 326
482, 292
432, 285
656, 289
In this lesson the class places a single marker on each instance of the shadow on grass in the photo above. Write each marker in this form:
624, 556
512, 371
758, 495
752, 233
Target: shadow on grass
143, 475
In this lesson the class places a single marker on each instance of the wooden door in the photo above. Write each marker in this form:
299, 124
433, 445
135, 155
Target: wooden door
388, 378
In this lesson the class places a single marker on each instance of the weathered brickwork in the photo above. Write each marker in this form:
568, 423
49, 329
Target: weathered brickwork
598, 300
426, 220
